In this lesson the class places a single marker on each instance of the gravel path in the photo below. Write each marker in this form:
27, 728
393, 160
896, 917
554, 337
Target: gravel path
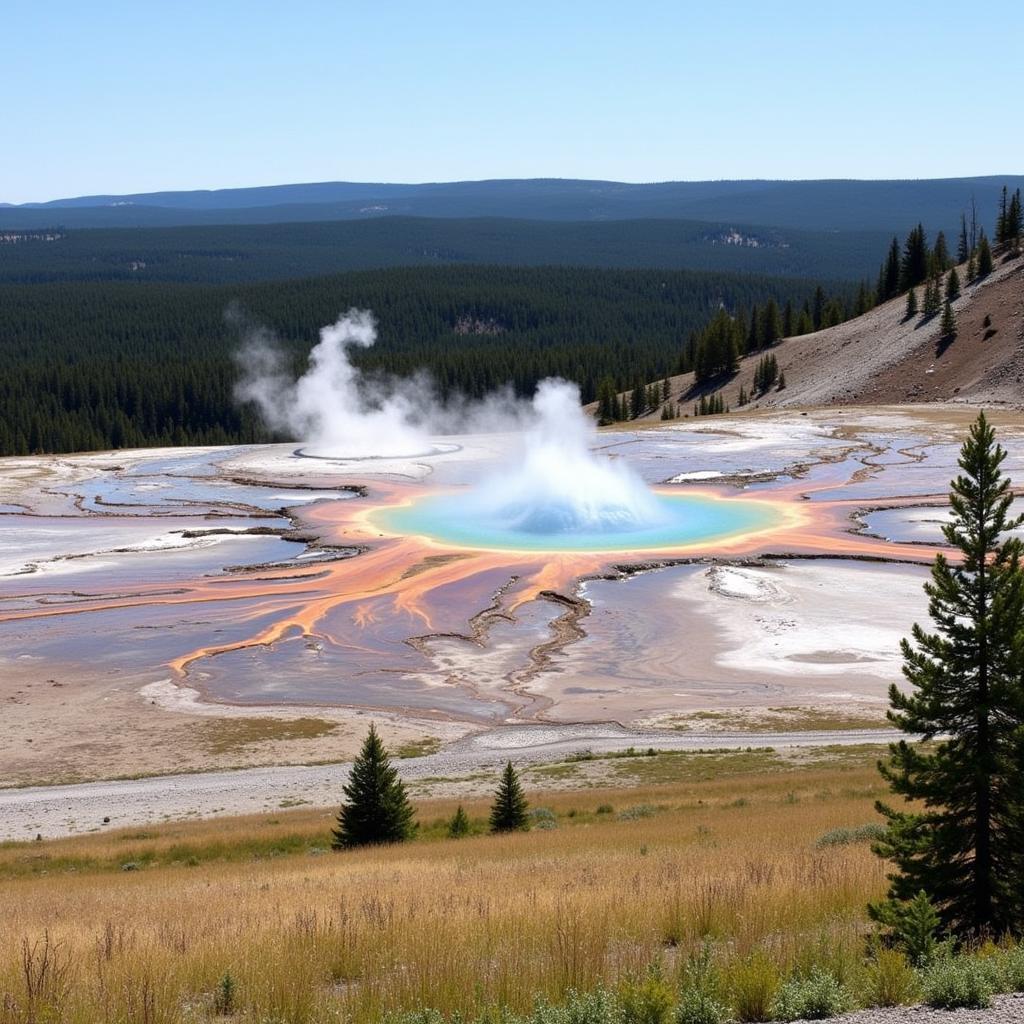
1005, 1010
52, 811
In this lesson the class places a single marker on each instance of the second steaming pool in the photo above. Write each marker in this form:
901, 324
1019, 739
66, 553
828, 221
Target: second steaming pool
682, 521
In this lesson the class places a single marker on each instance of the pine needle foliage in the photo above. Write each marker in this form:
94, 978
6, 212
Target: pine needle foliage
376, 809
508, 812
960, 840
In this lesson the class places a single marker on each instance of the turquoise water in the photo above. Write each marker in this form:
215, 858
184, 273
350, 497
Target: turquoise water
682, 519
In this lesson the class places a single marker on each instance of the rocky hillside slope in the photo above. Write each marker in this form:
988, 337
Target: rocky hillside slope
883, 358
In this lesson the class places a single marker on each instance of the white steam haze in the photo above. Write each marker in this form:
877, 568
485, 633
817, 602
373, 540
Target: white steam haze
556, 483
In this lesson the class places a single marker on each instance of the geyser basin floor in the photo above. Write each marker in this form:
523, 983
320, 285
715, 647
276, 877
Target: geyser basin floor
138, 661
685, 520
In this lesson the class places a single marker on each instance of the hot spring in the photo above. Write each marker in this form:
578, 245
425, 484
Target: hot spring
680, 520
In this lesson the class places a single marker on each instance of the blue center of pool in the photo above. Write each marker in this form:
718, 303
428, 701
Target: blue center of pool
683, 519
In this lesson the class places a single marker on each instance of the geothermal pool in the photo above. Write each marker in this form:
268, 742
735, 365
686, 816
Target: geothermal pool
676, 520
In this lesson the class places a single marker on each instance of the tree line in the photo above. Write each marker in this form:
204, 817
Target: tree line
110, 365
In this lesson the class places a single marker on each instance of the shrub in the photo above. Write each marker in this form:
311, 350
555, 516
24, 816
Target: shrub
458, 824
597, 1007
845, 836
813, 997
952, 982
1010, 965
605, 809
891, 981
754, 983
543, 818
699, 1003
647, 1000
912, 925
224, 996
697, 1007
636, 812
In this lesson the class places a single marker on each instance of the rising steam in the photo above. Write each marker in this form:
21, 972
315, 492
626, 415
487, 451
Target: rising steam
331, 406
556, 484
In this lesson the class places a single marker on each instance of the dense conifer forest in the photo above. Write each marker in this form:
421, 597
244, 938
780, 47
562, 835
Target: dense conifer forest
107, 365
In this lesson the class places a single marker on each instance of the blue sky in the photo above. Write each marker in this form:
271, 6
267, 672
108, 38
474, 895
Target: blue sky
109, 96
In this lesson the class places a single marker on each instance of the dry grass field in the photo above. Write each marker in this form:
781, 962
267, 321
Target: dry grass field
144, 926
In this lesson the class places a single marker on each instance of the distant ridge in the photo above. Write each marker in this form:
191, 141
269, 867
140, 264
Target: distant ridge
828, 204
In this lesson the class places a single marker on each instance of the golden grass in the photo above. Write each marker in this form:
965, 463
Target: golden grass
463, 924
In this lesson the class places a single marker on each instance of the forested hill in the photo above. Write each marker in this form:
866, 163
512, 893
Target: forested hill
830, 205
237, 253
106, 365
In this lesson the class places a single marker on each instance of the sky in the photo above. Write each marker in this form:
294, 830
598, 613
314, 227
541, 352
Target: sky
117, 97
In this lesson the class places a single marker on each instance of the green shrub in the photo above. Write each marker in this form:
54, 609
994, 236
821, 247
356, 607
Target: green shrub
754, 983
814, 996
1010, 964
845, 836
597, 1007
647, 1000
605, 809
891, 981
637, 812
697, 1007
698, 1001
952, 982
542, 818
224, 996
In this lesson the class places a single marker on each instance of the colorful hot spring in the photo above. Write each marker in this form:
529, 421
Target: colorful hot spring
678, 520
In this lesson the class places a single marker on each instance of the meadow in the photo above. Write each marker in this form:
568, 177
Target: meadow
767, 869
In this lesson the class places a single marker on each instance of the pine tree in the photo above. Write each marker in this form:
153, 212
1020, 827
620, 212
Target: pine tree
892, 271
376, 808
914, 264
911, 304
940, 254
984, 257
963, 249
508, 812
960, 841
972, 268
458, 825
666, 389
948, 328
782, 380
638, 401
953, 285
606, 402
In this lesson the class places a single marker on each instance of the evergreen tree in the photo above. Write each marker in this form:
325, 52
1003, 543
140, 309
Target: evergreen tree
892, 271
666, 389
940, 254
508, 812
963, 249
972, 268
376, 808
914, 264
948, 328
1001, 220
953, 285
606, 402
818, 315
638, 401
984, 257
1014, 221
961, 839
458, 825
911, 304
782, 380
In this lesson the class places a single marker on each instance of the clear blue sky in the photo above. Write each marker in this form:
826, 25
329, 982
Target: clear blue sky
111, 96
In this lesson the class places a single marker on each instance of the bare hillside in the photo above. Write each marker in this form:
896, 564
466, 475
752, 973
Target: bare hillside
883, 358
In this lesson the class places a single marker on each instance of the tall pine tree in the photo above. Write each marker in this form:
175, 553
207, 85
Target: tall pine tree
961, 838
508, 812
376, 808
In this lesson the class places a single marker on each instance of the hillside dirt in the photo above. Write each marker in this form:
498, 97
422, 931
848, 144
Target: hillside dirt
881, 358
